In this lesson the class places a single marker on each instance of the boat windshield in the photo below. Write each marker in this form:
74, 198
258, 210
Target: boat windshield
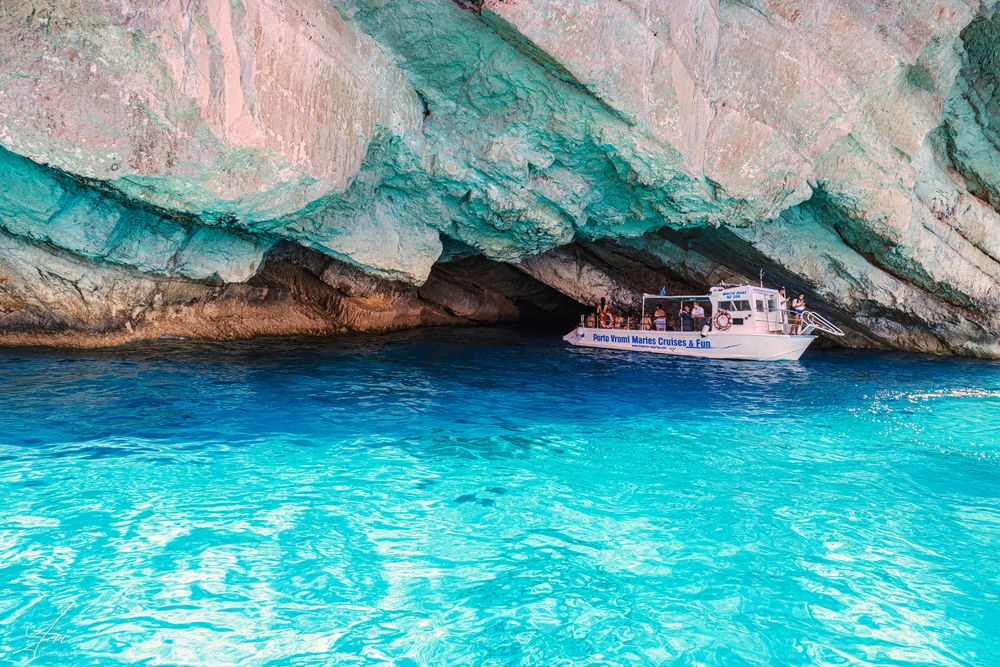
735, 306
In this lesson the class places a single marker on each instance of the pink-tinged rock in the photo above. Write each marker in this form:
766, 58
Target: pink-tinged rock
254, 109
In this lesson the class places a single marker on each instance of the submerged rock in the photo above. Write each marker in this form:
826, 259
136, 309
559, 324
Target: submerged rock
217, 170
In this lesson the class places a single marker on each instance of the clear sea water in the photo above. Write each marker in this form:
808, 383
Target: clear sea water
493, 497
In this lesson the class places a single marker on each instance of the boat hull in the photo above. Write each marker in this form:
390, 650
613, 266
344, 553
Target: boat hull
713, 345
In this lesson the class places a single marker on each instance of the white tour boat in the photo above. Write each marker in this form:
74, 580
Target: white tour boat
742, 322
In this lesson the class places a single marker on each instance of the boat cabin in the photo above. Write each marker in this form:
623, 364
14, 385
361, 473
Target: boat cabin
754, 309
733, 308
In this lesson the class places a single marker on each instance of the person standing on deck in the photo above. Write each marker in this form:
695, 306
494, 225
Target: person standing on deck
602, 310
697, 317
660, 318
783, 310
685, 317
798, 308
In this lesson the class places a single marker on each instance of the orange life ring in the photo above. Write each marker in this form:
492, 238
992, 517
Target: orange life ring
723, 320
607, 320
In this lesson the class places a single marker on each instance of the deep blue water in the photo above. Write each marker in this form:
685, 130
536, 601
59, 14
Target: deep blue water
491, 497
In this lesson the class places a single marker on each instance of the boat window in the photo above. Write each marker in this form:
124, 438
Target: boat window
771, 303
739, 306
760, 305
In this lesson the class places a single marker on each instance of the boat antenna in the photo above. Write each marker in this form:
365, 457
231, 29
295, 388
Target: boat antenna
762, 277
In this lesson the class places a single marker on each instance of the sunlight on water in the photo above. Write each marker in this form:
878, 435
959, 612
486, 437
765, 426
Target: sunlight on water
491, 497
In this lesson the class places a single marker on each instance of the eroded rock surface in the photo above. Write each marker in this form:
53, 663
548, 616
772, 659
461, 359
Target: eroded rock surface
223, 169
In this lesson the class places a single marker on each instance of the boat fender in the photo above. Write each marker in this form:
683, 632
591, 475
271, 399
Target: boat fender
608, 321
704, 330
723, 320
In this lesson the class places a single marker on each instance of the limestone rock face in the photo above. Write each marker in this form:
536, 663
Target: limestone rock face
474, 161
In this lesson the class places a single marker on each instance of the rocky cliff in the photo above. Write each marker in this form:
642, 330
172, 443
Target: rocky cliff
224, 169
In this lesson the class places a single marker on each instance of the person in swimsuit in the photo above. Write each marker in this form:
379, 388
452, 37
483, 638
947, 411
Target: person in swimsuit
798, 308
660, 318
602, 309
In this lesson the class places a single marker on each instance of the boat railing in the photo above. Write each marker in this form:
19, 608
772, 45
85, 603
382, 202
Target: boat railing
787, 322
781, 321
793, 323
817, 321
618, 322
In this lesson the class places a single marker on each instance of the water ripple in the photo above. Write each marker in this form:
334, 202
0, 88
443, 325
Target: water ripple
491, 497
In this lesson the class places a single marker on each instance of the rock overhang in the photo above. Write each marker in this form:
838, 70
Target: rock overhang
397, 130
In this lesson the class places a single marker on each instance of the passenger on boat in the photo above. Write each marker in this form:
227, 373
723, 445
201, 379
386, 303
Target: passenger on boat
685, 317
783, 310
697, 317
647, 323
660, 318
798, 308
605, 318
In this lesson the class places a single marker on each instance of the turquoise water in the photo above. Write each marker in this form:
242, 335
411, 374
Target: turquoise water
491, 497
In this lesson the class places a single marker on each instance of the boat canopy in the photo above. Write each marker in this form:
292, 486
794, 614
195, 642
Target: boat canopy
688, 297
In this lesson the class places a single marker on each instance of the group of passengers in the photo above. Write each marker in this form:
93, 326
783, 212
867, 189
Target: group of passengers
689, 317
603, 318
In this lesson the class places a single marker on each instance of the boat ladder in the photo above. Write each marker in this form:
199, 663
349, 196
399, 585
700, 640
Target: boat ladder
814, 320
